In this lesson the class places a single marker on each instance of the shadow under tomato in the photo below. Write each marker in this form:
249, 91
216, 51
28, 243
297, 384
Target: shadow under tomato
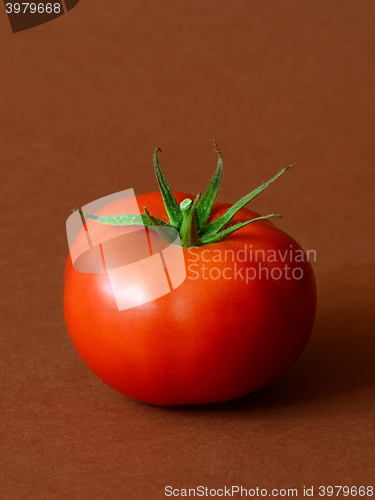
338, 359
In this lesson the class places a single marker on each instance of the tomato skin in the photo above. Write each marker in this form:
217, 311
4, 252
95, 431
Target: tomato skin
209, 340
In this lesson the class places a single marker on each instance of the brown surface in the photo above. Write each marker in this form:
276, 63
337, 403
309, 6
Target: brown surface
84, 101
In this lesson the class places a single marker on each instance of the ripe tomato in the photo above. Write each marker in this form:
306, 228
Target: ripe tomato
226, 331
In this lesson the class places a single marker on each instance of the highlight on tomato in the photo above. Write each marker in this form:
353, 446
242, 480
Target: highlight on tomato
175, 299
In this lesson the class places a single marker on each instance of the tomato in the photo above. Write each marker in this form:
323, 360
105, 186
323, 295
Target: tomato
239, 320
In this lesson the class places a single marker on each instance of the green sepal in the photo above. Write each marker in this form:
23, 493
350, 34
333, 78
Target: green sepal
218, 224
154, 221
121, 219
167, 232
208, 199
171, 206
205, 240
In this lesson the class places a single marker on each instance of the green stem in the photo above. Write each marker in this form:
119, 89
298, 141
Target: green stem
185, 209
189, 236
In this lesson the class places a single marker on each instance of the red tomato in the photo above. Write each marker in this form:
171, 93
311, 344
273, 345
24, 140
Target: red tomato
216, 337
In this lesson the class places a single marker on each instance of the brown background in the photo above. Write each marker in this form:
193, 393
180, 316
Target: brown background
84, 101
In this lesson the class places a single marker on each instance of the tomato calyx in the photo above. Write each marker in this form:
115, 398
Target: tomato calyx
190, 218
